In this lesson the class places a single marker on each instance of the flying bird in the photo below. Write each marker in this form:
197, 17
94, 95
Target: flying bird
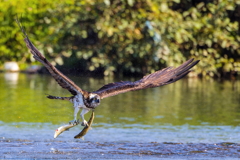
87, 101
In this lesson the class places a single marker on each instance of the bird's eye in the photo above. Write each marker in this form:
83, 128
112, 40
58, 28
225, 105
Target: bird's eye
96, 99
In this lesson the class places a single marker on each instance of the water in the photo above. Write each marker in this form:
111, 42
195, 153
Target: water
188, 111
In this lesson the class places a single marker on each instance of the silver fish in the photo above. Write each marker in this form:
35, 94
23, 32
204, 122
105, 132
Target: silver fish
86, 128
64, 128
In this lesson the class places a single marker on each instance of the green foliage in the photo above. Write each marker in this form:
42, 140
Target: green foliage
11, 41
133, 36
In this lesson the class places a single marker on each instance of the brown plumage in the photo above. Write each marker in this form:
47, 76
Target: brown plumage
162, 77
62, 80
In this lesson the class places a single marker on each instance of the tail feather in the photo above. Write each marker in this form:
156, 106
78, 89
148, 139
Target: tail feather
61, 98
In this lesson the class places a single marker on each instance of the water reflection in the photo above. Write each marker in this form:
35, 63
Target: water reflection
11, 78
192, 102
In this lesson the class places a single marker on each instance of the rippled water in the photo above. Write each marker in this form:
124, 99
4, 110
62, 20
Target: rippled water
190, 110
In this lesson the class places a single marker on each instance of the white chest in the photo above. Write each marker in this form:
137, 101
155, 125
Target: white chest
78, 101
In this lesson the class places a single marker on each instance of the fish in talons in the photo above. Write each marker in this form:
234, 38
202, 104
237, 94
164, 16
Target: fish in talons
86, 128
65, 128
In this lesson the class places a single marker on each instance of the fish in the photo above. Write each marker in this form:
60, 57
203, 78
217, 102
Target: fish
64, 128
86, 128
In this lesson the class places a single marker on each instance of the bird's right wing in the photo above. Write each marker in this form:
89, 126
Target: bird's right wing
62, 80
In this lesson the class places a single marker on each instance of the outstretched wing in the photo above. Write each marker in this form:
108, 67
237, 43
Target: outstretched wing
62, 80
162, 77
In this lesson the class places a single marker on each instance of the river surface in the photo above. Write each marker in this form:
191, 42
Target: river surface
190, 111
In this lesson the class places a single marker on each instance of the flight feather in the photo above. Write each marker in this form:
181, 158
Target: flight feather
162, 77
62, 80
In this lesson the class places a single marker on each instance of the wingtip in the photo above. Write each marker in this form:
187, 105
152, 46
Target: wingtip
21, 27
196, 62
191, 63
192, 60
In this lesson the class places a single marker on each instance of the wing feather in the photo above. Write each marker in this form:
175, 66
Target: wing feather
159, 78
61, 79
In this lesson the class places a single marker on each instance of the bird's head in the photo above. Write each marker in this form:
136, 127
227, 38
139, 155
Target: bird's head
93, 100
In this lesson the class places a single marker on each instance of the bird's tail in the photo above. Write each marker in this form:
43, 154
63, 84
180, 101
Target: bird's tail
61, 98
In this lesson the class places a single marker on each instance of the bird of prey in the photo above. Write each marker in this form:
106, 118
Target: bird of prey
86, 101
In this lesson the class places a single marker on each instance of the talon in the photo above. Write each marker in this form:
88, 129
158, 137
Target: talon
74, 122
84, 123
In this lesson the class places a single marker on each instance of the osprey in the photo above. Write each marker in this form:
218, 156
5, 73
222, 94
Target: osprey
86, 101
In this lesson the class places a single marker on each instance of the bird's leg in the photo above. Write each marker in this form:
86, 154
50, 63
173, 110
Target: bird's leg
76, 110
84, 111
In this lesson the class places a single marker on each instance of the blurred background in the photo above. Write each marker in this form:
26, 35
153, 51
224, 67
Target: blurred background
124, 37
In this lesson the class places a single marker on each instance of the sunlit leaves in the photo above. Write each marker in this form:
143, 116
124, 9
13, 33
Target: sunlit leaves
125, 36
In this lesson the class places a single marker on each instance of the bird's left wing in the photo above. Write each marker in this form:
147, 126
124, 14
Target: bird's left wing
162, 77
62, 80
